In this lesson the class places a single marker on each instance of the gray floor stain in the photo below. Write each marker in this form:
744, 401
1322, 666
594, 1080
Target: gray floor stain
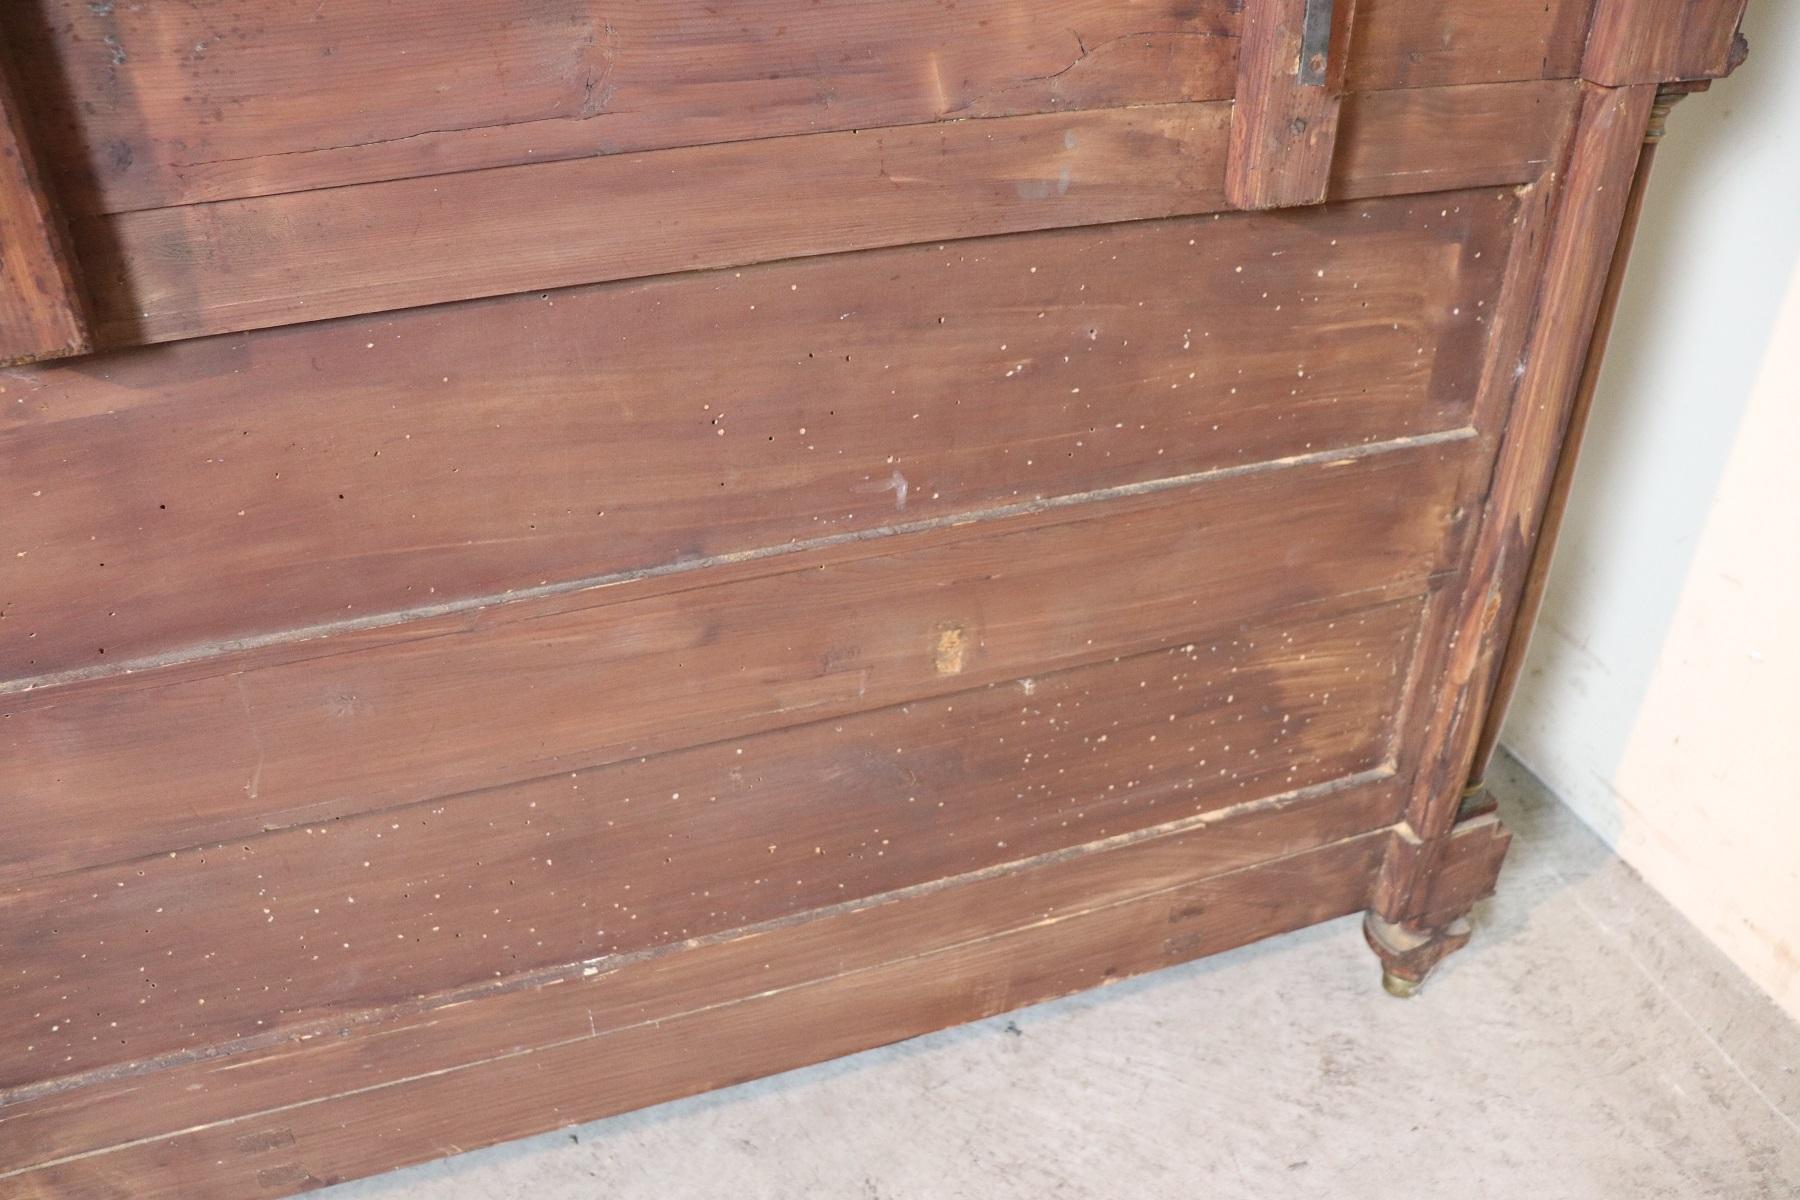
1588, 1045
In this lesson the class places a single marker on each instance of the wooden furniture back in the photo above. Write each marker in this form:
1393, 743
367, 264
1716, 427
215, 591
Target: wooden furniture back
559, 555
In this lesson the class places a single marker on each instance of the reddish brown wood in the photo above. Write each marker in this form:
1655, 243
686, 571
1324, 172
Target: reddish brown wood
1594, 197
1662, 41
41, 313
1465, 869
1284, 123
538, 1010
615, 688
1410, 44
1435, 139
635, 1033
322, 97
137, 765
1518, 641
621, 859
447, 454
309, 255
360, 91
213, 268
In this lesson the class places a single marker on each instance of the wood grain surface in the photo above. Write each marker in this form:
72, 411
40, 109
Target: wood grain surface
275, 260
1411, 44
1436, 139
156, 105
137, 765
379, 909
41, 313
1284, 121
1660, 41
674, 541
1591, 206
448, 454
620, 1035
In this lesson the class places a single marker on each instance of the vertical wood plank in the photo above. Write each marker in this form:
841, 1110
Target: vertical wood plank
1519, 640
40, 312
1593, 195
1662, 41
1290, 86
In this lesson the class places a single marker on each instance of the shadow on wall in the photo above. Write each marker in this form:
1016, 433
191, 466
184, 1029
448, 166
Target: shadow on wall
1716, 253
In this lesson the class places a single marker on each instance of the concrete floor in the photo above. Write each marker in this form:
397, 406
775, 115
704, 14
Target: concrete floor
1589, 1044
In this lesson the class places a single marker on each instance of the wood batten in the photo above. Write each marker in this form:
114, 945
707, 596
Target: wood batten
214, 268
41, 313
614, 1035
1663, 41
1512, 658
1284, 122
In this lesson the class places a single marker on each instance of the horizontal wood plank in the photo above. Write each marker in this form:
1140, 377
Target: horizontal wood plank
165, 105
158, 105
1435, 139
463, 451
1415, 44
376, 910
245, 264
131, 767
594, 1041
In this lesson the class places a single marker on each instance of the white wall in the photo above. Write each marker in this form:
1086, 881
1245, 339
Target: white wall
1661, 699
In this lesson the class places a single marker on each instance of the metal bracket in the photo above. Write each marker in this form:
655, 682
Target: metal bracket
1315, 42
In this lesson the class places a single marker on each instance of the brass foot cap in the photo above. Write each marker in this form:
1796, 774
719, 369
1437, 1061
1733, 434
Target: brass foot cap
1396, 985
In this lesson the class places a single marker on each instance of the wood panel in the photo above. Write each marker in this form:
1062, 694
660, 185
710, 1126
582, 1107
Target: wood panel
137, 765
1410, 44
454, 452
155, 105
244, 264
1659, 41
589, 1042
41, 314
379, 909
173, 104
1435, 139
